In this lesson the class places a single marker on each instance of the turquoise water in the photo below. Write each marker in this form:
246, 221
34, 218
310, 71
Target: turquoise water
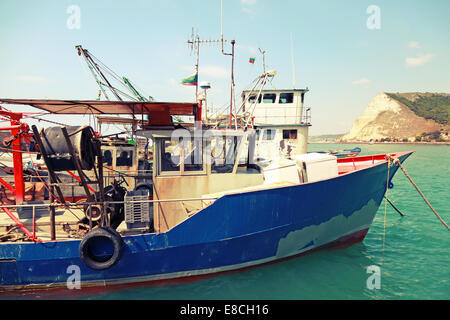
414, 264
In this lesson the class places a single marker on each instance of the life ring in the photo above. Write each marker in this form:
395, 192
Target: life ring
100, 263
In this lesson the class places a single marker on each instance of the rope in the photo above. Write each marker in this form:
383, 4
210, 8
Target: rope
385, 204
397, 162
45, 120
19, 151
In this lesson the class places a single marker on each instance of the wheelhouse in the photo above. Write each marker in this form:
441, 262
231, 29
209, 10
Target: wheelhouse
281, 121
193, 166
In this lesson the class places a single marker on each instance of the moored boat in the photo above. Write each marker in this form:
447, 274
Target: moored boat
346, 152
213, 209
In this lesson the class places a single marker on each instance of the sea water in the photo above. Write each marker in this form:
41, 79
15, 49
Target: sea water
412, 253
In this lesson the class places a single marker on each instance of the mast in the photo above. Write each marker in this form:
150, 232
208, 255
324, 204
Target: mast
196, 67
83, 53
263, 60
98, 71
96, 67
195, 43
232, 104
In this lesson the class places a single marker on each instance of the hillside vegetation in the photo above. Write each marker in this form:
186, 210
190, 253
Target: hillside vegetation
429, 106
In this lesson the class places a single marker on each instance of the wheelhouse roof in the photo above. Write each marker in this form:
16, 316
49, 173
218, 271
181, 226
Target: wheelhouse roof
277, 90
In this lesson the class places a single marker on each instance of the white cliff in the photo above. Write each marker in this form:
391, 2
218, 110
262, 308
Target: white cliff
386, 117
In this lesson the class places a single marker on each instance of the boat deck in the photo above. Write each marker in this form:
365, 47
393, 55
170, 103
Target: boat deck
65, 224
346, 165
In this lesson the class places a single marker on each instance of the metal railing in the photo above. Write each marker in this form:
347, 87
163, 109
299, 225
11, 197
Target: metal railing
69, 205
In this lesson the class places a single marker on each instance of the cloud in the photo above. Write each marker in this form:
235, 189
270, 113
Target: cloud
362, 82
31, 78
413, 44
419, 60
246, 4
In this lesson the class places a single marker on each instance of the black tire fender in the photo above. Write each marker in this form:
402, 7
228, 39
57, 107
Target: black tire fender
86, 255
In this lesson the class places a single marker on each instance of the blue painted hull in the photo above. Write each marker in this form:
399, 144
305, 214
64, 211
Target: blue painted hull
236, 231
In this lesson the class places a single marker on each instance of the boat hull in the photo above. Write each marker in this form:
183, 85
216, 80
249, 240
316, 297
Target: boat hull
236, 231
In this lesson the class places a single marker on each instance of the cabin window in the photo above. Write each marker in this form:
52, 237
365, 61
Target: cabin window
181, 156
124, 158
223, 153
107, 157
170, 156
269, 98
286, 97
252, 99
290, 134
192, 155
269, 134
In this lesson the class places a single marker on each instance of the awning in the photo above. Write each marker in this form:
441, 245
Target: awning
107, 107
159, 113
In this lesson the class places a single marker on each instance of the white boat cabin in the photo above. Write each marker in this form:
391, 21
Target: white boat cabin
281, 121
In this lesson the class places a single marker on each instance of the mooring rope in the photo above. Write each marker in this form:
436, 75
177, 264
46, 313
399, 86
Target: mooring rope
385, 204
397, 162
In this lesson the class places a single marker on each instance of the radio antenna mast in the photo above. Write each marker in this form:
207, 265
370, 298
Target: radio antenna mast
194, 45
263, 60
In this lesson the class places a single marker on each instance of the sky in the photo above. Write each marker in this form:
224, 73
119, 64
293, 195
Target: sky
344, 52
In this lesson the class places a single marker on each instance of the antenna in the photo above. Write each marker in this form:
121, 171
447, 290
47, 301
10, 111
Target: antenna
194, 44
221, 22
293, 65
264, 63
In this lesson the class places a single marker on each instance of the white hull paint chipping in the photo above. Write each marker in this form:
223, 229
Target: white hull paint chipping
312, 237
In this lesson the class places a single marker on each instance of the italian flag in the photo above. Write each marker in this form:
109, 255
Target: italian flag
190, 80
252, 60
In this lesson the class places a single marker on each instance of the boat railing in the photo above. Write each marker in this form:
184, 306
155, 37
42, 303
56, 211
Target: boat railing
273, 119
68, 204
72, 205
306, 117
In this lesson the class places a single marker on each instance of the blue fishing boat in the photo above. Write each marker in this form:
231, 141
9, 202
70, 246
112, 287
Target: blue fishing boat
211, 208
